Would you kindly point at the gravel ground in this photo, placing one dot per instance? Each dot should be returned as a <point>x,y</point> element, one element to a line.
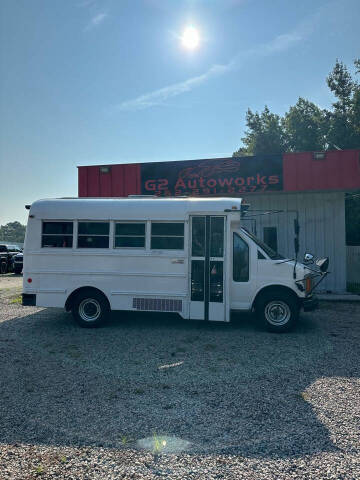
<point>157,397</point>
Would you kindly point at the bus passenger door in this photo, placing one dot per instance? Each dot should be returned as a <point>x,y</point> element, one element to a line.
<point>207,273</point>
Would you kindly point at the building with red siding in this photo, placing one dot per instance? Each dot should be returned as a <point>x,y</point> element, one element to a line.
<point>310,185</point>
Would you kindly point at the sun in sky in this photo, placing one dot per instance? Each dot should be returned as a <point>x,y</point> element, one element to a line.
<point>190,38</point>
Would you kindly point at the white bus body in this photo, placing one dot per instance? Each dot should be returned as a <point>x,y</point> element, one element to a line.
<point>183,255</point>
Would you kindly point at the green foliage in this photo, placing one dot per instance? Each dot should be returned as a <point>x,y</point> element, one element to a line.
<point>344,119</point>
<point>39,470</point>
<point>17,300</point>
<point>264,135</point>
<point>306,127</point>
<point>12,232</point>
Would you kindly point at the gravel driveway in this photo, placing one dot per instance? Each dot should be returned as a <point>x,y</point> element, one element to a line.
<point>157,397</point>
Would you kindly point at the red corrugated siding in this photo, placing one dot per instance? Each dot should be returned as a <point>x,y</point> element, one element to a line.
<point>132,184</point>
<point>339,170</point>
<point>120,181</point>
<point>82,181</point>
<point>93,185</point>
<point>105,184</point>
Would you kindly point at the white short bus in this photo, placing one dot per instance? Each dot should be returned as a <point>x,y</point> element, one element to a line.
<point>185,255</point>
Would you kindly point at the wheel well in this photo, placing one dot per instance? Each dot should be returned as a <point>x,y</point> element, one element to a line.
<point>70,300</point>
<point>274,289</point>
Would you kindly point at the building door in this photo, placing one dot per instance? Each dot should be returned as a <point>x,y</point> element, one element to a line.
<point>207,268</point>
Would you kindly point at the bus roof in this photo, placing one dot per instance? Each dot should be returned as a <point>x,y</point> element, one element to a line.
<point>130,208</point>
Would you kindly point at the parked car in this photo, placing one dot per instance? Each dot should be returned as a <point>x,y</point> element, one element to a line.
<point>7,252</point>
<point>18,263</point>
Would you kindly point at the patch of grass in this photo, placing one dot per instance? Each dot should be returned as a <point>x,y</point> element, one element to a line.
<point>191,339</point>
<point>17,300</point>
<point>74,354</point>
<point>304,396</point>
<point>159,444</point>
<point>139,391</point>
<point>181,350</point>
<point>39,470</point>
<point>209,347</point>
<point>113,396</point>
<point>63,459</point>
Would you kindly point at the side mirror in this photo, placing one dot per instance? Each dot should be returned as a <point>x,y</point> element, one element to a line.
<point>323,264</point>
<point>308,258</point>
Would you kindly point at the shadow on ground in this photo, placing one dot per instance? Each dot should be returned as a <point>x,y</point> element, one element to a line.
<point>225,388</point>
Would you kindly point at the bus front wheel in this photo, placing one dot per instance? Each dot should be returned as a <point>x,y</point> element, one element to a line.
<point>90,309</point>
<point>278,311</point>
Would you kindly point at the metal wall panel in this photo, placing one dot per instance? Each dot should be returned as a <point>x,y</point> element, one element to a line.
<point>322,228</point>
<point>118,181</point>
<point>338,170</point>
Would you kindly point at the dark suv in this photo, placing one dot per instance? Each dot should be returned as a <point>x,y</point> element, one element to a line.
<point>18,263</point>
<point>7,253</point>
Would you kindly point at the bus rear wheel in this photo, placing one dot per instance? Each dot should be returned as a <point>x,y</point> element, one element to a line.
<point>278,311</point>
<point>90,309</point>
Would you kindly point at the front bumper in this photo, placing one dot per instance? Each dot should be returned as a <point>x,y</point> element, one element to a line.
<point>29,299</point>
<point>310,304</point>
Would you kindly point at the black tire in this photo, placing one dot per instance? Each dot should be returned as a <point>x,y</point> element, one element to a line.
<point>3,267</point>
<point>90,309</point>
<point>278,311</point>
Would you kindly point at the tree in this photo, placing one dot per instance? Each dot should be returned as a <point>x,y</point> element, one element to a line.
<point>344,119</point>
<point>12,232</point>
<point>304,127</point>
<point>264,134</point>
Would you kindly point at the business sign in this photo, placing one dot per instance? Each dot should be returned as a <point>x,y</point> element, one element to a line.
<point>232,176</point>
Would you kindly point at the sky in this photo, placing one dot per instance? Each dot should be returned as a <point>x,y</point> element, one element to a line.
<point>86,82</point>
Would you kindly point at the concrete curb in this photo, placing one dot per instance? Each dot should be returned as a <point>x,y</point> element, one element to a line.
<point>333,297</point>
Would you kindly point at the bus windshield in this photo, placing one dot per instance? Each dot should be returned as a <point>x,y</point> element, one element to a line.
<point>269,251</point>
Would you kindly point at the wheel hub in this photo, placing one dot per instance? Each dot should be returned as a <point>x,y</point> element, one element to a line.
<point>277,312</point>
<point>89,310</point>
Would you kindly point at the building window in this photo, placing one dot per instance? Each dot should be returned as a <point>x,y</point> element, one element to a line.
<point>130,235</point>
<point>93,234</point>
<point>270,237</point>
<point>240,259</point>
<point>57,234</point>
<point>167,236</point>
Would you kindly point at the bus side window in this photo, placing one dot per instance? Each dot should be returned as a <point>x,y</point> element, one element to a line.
<point>240,259</point>
<point>57,235</point>
<point>167,236</point>
<point>93,235</point>
<point>129,235</point>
